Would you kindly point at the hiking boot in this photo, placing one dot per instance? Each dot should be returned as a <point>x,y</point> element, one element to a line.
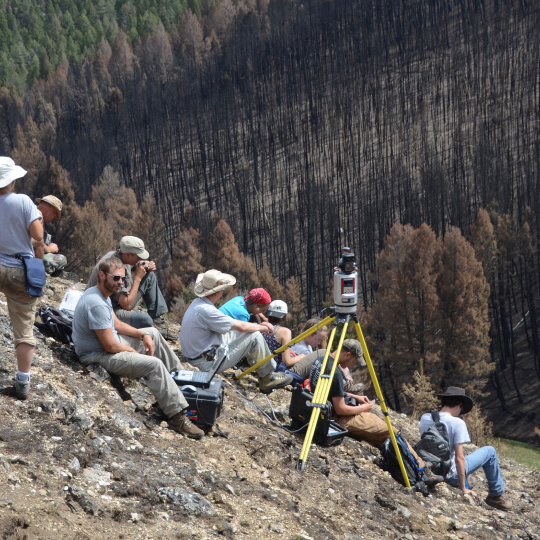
<point>159,321</point>
<point>21,389</point>
<point>353,388</point>
<point>500,502</point>
<point>273,381</point>
<point>182,424</point>
<point>432,478</point>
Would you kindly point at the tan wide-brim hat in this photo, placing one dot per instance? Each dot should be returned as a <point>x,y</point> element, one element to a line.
<point>55,202</point>
<point>212,281</point>
<point>9,171</point>
<point>456,391</point>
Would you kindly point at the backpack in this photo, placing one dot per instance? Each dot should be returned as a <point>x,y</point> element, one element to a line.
<point>417,476</point>
<point>55,323</point>
<point>434,446</point>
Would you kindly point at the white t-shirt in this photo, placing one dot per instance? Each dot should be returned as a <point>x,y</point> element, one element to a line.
<point>457,434</point>
<point>302,348</point>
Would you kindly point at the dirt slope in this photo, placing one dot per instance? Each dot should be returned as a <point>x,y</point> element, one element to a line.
<point>88,457</point>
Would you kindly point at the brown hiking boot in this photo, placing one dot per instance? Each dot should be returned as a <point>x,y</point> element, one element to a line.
<point>500,502</point>
<point>22,389</point>
<point>273,381</point>
<point>182,424</point>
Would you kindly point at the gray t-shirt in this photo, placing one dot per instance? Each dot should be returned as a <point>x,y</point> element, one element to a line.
<point>93,312</point>
<point>203,327</point>
<point>128,282</point>
<point>17,212</point>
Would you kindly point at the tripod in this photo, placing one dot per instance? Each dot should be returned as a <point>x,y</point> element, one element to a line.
<point>344,311</point>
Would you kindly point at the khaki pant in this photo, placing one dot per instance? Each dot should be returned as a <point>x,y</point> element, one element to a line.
<point>155,370</point>
<point>21,307</point>
<point>370,428</point>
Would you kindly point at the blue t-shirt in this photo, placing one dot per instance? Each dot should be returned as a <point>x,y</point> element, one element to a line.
<point>236,308</point>
<point>17,212</point>
<point>93,312</point>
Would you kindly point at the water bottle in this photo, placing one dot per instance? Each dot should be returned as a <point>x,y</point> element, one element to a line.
<point>71,297</point>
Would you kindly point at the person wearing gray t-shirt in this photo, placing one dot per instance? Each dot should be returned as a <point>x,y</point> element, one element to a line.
<point>20,223</point>
<point>99,337</point>
<point>204,327</point>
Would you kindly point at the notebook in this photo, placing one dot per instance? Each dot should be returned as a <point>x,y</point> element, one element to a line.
<point>202,379</point>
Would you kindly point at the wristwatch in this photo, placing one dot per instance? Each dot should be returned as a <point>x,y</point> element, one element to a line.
<point>145,334</point>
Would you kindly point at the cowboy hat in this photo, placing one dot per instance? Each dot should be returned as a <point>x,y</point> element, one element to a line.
<point>457,392</point>
<point>55,202</point>
<point>9,171</point>
<point>212,281</point>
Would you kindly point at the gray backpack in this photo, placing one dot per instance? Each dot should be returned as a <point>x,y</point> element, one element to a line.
<point>434,446</point>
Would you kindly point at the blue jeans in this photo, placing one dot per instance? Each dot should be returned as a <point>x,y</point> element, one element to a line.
<point>485,457</point>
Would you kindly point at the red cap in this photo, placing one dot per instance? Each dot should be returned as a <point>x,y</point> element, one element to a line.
<point>259,296</point>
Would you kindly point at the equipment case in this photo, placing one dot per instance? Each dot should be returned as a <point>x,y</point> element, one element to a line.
<point>205,404</point>
<point>328,432</point>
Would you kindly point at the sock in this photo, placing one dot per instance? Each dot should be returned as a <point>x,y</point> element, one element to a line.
<point>23,377</point>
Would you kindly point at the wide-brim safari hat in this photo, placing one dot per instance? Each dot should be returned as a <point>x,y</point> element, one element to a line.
<point>212,281</point>
<point>9,171</point>
<point>457,392</point>
<point>55,202</point>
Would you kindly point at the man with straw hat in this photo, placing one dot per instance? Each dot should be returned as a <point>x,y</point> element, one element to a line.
<point>455,403</point>
<point>204,328</point>
<point>22,235</point>
<point>51,209</point>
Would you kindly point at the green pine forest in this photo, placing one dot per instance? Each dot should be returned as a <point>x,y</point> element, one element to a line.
<point>261,136</point>
<point>37,36</point>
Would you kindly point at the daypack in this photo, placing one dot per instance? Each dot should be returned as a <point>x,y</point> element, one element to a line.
<point>434,446</point>
<point>55,323</point>
<point>415,473</point>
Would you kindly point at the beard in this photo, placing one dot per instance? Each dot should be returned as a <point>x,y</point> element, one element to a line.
<point>113,287</point>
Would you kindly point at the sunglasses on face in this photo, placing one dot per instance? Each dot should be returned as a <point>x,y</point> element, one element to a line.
<point>116,277</point>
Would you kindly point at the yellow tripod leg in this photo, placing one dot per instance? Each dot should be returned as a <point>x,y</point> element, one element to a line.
<point>381,403</point>
<point>297,339</point>
<point>321,395</point>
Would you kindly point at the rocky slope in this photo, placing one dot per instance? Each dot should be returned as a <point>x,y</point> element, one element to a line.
<point>90,457</point>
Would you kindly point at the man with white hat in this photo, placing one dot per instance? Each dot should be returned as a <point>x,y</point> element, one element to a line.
<point>22,235</point>
<point>204,328</point>
<point>141,283</point>
<point>51,209</point>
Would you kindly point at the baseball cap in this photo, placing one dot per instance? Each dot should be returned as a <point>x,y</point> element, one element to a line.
<point>278,309</point>
<point>134,245</point>
<point>353,346</point>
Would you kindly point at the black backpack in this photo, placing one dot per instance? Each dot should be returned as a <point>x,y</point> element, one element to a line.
<point>55,323</point>
<point>415,473</point>
<point>434,446</point>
